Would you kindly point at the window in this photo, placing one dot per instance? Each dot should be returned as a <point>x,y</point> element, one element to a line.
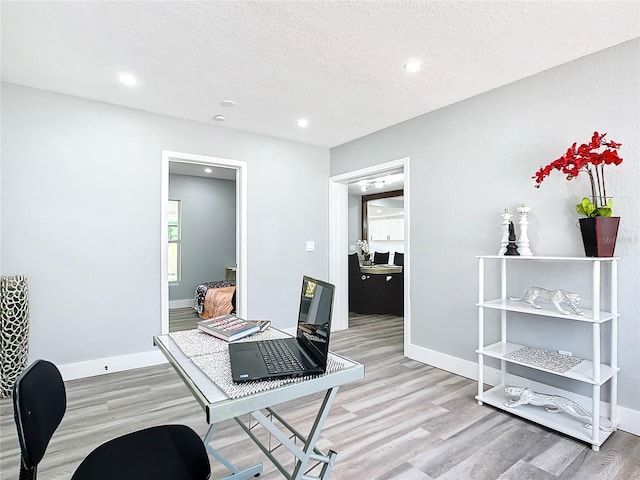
<point>174,241</point>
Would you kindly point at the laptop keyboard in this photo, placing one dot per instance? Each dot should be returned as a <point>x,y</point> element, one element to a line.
<point>278,357</point>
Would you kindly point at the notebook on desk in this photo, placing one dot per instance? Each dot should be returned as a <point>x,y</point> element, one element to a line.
<point>306,353</point>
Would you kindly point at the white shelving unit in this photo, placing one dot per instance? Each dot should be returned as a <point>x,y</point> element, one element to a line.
<point>595,371</point>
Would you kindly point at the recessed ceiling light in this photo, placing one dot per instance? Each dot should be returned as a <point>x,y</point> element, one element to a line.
<point>303,122</point>
<point>127,79</point>
<point>228,103</point>
<point>219,118</point>
<point>208,170</point>
<point>413,66</point>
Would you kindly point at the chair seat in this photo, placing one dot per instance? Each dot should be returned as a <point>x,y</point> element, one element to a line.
<point>167,452</point>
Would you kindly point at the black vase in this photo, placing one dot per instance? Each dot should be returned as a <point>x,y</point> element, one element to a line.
<point>599,235</point>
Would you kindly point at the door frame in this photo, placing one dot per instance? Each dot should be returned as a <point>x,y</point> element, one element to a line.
<point>241,226</point>
<point>339,240</point>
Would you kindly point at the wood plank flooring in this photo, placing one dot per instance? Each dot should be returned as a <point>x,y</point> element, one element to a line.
<point>404,421</point>
<point>182,319</point>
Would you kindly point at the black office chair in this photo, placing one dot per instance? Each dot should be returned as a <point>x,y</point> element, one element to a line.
<point>381,258</point>
<point>398,259</point>
<point>167,452</point>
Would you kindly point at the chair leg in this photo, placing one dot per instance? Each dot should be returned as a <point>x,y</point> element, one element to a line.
<point>27,474</point>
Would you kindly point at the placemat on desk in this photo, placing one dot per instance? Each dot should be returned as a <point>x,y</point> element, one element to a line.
<point>218,368</point>
<point>211,355</point>
<point>194,343</point>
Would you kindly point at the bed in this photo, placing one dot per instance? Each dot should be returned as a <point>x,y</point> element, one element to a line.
<point>215,298</point>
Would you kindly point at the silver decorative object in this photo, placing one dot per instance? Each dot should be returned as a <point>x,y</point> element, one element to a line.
<point>14,331</point>
<point>556,297</point>
<point>523,241</point>
<point>554,361</point>
<point>553,403</point>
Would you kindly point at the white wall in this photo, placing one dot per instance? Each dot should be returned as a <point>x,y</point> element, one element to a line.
<point>81,184</point>
<point>355,221</point>
<point>471,160</point>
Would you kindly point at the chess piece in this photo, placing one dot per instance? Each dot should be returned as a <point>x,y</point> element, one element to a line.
<point>512,248</point>
<point>506,217</point>
<point>523,242</point>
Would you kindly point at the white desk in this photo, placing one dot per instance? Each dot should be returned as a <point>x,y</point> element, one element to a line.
<point>218,407</point>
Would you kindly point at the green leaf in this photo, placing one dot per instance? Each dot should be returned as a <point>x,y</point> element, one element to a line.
<point>586,207</point>
<point>604,212</point>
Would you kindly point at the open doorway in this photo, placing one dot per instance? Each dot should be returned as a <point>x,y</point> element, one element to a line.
<point>339,237</point>
<point>225,168</point>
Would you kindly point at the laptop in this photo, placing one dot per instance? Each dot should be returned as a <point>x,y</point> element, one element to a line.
<point>308,350</point>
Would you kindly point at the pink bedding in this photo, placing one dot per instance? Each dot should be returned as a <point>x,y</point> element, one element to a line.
<point>217,302</point>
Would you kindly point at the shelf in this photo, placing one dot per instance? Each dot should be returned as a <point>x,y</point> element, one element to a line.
<point>545,310</point>
<point>558,421</point>
<point>536,359</point>
<point>582,372</point>
<point>548,258</point>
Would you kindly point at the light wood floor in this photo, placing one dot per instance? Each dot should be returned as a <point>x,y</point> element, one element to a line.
<point>404,421</point>
<point>182,319</point>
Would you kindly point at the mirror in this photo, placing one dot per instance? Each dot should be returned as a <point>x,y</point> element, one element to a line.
<point>383,221</point>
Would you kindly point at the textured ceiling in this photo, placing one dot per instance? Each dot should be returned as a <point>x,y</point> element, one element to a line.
<point>339,64</point>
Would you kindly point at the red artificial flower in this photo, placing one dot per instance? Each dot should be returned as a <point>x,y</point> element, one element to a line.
<point>588,157</point>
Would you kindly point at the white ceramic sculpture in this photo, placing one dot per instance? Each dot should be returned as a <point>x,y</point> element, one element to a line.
<point>523,241</point>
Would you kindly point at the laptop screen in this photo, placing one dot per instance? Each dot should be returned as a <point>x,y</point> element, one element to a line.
<point>314,318</point>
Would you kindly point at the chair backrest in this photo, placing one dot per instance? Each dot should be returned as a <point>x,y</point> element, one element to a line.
<point>381,258</point>
<point>39,403</point>
<point>354,267</point>
<point>398,259</point>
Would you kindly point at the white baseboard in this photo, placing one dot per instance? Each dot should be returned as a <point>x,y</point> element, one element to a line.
<point>187,302</point>
<point>102,366</point>
<point>629,420</point>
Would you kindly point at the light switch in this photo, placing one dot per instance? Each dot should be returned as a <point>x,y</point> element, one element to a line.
<point>310,246</point>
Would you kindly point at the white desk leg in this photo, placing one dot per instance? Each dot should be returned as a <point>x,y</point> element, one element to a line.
<point>236,474</point>
<point>308,452</point>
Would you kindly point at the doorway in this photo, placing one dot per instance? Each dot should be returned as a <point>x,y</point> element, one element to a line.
<point>238,170</point>
<point>339,239</point>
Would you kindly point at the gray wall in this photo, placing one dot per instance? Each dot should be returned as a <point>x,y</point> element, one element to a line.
<point>208,230</point>
<point>471,160</point>
<point>81,188</point>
